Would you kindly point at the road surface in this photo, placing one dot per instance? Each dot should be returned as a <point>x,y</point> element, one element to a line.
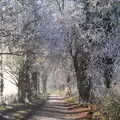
<point>54,109</point>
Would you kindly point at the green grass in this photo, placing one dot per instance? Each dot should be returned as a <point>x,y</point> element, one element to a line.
<point>18,115</point>
<point>70,100</point>
<point>2,108</point>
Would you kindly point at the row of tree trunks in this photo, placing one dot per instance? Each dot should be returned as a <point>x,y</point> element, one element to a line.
<point>28,81</point>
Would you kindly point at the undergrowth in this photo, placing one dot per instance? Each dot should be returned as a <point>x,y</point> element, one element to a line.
<point>109,108</point>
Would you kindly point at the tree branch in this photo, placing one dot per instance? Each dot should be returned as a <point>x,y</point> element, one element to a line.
<point>12,53</point>
<point>60,9</point>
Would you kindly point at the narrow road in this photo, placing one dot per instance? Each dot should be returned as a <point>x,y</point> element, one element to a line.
<point>54,109</point>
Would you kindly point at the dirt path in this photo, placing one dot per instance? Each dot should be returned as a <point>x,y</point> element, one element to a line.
<point>54,109</point>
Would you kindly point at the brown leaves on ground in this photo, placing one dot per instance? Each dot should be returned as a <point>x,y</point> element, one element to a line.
<point>83,112</point>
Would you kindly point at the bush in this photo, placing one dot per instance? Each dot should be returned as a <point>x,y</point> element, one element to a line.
<point>109,108</point>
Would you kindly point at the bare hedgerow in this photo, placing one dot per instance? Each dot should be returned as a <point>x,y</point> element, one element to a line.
<point>110,106</point>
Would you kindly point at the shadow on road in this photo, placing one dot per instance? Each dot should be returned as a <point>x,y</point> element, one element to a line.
<point>54,109</point>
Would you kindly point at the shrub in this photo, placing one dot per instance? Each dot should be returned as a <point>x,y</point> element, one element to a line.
<point>110,107</point>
